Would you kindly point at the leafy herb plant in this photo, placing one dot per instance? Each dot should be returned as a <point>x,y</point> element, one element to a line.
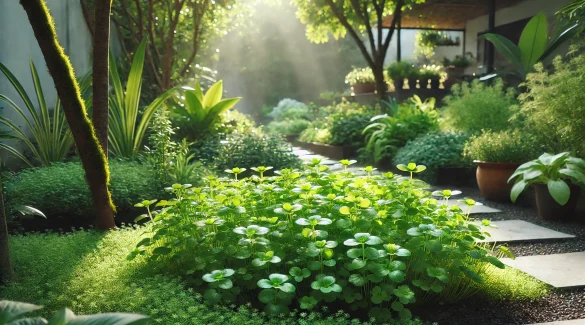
<point>308,238</point>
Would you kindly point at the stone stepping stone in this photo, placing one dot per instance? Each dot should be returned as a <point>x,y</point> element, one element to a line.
<point>520,230</point>
<point>310,157</point>
<point>301,152</point>
<point>565,322</point>
<point>559,270</point>
<point>475,210</point>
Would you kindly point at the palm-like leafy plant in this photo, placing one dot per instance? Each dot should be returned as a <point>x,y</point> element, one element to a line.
<point>196,113</point>
<point>127,124</point>
<point>50,139</point>
<point>534,45</point>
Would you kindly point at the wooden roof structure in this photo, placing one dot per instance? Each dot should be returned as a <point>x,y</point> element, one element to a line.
<point>446,14</point>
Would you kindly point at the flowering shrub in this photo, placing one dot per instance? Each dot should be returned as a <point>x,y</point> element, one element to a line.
<point>302,239</point>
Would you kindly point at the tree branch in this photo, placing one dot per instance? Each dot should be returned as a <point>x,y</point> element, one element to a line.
<point>88,17</point>
<point>140,19</point>
<point>363,15</point>
<point>351,31</point>
<point>397,16</point>
<point>197,21</point>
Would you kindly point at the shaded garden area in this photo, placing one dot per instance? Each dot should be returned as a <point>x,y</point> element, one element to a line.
<point>390,180</point>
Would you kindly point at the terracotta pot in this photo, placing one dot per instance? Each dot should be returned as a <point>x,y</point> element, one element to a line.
<point>549,209</point>
<point>455,73</point>
<point>492,179</point>
<point>363,88</point>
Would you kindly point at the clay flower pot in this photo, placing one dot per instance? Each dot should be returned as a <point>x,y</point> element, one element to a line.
<point>492,179</point>
<point>549,209</point>
<point>363,88</point>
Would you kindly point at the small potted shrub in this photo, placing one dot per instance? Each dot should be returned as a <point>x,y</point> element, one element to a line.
<point>556,180</point>
<point>497,155</point>
<point>398,71</point>
<point>456,67</point>
<point>412,76</point>
<point>362,81</point>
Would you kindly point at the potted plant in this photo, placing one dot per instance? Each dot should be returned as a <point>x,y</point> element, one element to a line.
<point>497,155</point>
<point>362,81</point>
<point>556,180</point>
<point>398,71</point>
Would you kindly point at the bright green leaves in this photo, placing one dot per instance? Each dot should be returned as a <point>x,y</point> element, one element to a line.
<point>145,203</point>
<point>299,274</point>
<point>308,302</point>
<point>559,190</point>
<point>251,230</point>
<point>379,295</point>
<point>363,239</point>
<point>313,221</point>
<point>404,294</point>
<point>346,162</point>
<point>411,168</point>
<point>265,257</point>
<point>220,278</point>
<point>344,210</point>
<point>396,250</point>
<point>277,281</point>
<point>261,169</point>
<point>446,194</point>
<point>325,284</point>
<point>438,273</point>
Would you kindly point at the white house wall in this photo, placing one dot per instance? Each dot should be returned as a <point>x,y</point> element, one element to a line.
<point>522,10</point>
<point>18,45</point>
<point>408,40</point>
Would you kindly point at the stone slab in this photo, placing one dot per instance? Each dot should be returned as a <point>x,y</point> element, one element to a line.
<point>302,152</point>
<point>520,230</point>
<point>310,157</point>
<point>559,270</point>
<point>565,322</point>
<point>475,210</point>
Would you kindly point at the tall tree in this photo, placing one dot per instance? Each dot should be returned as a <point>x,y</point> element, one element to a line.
<point>356,17</point>
<point>92,156</point>
<point>101,54</point>
<point>177,31</point>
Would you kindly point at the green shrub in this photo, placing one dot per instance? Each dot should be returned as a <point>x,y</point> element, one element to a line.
<point>553,105</point>
<point>505,146</point>
<point>251,150</point>
<point>288,126</point>
<point>88,271</point>
<point>281,111</point>
<point>61,192</point>
<point>388,133</point>
<point>434,150</point>
<point>309,239</point>
<point>399,70</point>
<point>346,128</point>
<point>474,107</point>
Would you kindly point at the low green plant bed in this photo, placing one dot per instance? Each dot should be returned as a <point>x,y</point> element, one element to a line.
<point>88,271</point>
<point>307,239</point>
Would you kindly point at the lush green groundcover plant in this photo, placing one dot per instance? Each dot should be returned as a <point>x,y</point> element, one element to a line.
<point>435,150</point>
<point>88,271</point>
<point>304,239</point>
<point>61,193</point>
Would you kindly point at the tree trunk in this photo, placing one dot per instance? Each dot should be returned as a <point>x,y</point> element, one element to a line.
<point>101,46</point>
<point>6,272</point>
<point>381,85</point>
<point>92,156</point>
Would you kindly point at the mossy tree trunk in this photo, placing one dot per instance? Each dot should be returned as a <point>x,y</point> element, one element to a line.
<point>91,153</point>
<point>6,272</point>
<point>101,47</point>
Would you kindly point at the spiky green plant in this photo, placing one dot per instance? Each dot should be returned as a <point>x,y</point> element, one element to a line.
<point>50,139</point>
<point>128,124</point>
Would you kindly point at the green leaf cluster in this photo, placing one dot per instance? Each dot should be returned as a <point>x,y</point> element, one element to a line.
<point>311,237</point>
<point>513,146</point>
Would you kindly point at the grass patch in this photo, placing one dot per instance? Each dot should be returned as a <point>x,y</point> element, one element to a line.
<point>512,284</point>
<point>88,272</point>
